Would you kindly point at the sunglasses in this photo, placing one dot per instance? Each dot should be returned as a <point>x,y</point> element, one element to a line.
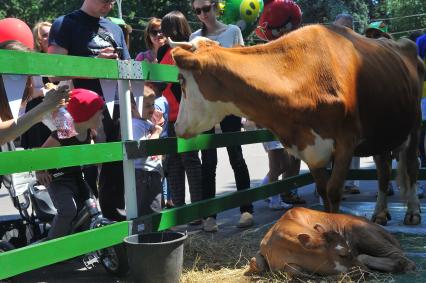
<point>156,32</point>
<point>204,9</point>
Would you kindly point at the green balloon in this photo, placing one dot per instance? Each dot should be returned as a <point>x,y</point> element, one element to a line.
<point>243,13</point>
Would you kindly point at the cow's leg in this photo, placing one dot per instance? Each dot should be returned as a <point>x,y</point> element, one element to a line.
<point>321,177</point>
<point>384,169</point>
<point>408,167</point>
<point>342,160</point>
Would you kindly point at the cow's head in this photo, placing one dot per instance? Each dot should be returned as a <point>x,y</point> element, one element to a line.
<point>333,254</point>
<point>204,99</point>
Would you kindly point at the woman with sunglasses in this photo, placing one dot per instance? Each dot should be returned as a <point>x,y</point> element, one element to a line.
<point>154,39</point>
<point>175,26</point>
<point>227,36</point>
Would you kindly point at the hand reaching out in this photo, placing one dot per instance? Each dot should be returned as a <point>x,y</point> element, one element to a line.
<point>44,178</point>
<point>55,98</point>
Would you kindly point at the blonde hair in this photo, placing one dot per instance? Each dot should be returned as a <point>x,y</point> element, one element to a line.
<point>36,34</point>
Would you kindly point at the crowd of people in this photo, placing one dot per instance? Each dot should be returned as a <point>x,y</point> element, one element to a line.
<point>160,180</point>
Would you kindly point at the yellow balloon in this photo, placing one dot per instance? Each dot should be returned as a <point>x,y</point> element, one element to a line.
<point>249,10</point>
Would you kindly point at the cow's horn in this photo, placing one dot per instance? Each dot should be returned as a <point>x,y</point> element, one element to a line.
<point>184,45</point>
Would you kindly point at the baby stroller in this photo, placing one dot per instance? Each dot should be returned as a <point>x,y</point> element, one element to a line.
<point>36,212</point>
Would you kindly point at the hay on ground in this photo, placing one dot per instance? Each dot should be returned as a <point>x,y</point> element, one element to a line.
<point>218,258</point>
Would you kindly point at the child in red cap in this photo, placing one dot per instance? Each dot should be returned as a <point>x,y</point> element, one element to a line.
<point>66,186</point>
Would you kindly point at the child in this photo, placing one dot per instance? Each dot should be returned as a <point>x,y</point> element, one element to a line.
<point>148,170</point>
<point>66,186</point>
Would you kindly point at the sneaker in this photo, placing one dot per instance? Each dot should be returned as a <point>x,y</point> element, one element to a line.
<point>246,220</point>
<point>209,225</point>
<point>279,205</point>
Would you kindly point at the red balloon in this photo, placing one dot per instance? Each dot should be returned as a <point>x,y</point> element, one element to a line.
<point>15,29</point>
<point>278,18</point>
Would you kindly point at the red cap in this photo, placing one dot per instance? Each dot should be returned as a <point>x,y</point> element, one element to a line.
<point>84,104</point>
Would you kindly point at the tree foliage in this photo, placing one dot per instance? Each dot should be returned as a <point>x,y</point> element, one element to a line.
<point>406,16</point>
<point>137,12</point>
<point>324,11</point>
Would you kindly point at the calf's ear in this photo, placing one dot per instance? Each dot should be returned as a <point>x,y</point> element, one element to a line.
<point>185,59</point>
<point>307,241</point>
<point>318,227</point>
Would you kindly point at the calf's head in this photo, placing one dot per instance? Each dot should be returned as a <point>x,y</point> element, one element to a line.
<point>330,255</point>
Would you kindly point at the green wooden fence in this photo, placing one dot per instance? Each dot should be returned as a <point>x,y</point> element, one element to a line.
<point>46,253</point>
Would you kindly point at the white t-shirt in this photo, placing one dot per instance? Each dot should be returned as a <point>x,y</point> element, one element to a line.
<point>230,37</point>
<point>142,130</point>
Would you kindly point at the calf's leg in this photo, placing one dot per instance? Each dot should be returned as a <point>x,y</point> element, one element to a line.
<point>387,264</point>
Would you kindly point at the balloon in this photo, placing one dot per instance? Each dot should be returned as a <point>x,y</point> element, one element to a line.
<point>15,29</point>
<point>243,13</point>
<point>278,18</point>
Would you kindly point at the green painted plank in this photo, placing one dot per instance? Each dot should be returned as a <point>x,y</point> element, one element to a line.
<point>137,149</point>
<point>177,216</point>
<point>37,159</point>
<point>46,253</point>
<point>55,157</point>
<point>159,72</point>
<point>224,139</point>
<point>371,174</point>
<point>15,62</point>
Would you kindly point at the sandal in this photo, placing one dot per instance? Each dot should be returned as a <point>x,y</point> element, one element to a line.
<point>293,199</point>
<point>353,190</point>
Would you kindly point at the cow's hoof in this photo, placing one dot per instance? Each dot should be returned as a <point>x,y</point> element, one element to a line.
<point>412,218</point>
<point>381,218</point>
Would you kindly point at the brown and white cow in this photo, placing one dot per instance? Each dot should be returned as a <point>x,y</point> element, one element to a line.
<point>314,242</point>
<point>325,92</point>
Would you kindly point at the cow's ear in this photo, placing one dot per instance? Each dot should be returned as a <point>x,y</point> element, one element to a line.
<point>318,227</point>
<point>306,241</point>
<point>185,59</point>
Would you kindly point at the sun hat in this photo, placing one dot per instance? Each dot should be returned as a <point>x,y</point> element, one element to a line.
<point>379,25</point>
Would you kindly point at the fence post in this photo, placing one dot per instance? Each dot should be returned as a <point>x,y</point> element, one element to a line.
<point>127,134</point>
